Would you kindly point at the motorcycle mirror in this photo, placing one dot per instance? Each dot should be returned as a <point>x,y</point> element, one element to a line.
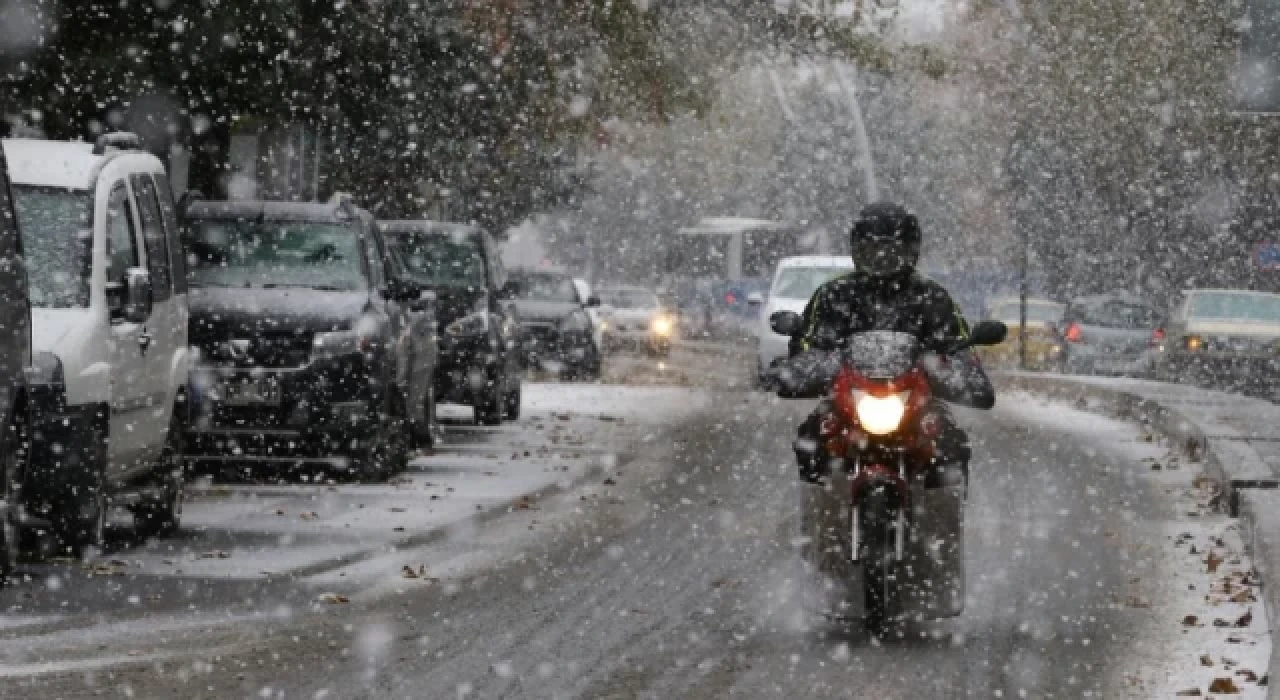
<point>988,333</point>
<point>786,322</point>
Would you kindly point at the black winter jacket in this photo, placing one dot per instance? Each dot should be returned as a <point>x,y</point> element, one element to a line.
<point>856,303</point>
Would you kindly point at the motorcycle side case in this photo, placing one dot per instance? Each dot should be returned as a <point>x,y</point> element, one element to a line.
<point>932,571</point>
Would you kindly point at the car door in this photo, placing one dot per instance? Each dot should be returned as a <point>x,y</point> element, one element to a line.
<point>507,323</point>
<point>168,322</point>
<point>130,342</point>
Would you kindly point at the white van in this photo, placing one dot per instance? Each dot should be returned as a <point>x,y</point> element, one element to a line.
<point>109,299</point>
<point>794,282</point>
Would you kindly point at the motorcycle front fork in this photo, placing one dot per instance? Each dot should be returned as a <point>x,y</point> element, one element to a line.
<point>900,526</point>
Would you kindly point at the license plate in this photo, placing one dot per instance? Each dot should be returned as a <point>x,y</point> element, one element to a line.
<point>251,392</point>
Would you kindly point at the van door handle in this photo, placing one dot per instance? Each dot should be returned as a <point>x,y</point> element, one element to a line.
<point>144,340</point>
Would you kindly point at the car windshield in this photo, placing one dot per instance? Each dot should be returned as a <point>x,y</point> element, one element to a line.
<point>1115,314</point>
<point>57,238</point>
<point>802,282</point>
<point>1037,312</point>
<point>629,298</point>
<point>241,253</point>
<point>440,259</point>
<point>534,287</point>
<point>1250,308</point>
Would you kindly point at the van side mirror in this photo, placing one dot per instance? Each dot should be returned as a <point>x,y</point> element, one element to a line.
<point>593,302</point>
<point>510,290</point>
<point>988,333</point>
<point>786,323</point>
<point>131,300</point>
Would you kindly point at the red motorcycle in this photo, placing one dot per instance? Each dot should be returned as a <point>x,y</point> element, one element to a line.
<point>882,520</point>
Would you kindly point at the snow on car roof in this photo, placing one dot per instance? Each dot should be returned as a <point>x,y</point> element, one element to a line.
<point>817,261</point>
<point>67,164</point>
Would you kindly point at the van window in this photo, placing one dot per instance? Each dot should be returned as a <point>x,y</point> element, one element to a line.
<point>169,212</point>
<point>121,235</point>
<point>153,234</point>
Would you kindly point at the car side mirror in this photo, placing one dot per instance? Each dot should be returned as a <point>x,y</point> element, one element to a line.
<point>133,298</point>
<point>510,290</point>
<point>755,299</point>
<point>786,322</point>
<point>988,333</point>
<point>402,290</point>
<point>593,302</point>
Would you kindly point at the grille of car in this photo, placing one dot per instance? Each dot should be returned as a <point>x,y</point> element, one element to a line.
<point>223,347</point>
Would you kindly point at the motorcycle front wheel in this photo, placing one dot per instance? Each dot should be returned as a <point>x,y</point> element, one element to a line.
<point>877,525</point>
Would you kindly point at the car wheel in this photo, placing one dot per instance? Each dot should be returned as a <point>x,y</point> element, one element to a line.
<point>17,449</point>
<point>389,453</point>
<point>488,405</point>
<point>163,515</point>
<point>511,404</point>
<point>424,434</point>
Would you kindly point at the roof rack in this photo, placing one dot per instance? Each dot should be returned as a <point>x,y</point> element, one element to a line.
<point>118,140</point>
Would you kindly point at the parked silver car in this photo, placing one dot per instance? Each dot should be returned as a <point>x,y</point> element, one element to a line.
<point>1225,338</point>
<point>1108,334</point>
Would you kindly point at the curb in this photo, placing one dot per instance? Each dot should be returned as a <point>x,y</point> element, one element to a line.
<point>1183,433</point>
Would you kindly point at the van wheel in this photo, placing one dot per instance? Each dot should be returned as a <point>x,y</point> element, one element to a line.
<point>17,450</point>
<point>163,515</point>
<point>80,518</point>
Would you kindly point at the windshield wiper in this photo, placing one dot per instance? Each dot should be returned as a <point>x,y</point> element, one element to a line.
<point>291,285</point>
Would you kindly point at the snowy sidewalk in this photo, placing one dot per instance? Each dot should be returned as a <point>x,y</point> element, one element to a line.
<point>1236,438</point>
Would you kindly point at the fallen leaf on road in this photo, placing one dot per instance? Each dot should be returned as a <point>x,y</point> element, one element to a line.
<point>610,482</point>
<point>1134,601</point>
<point>279,511</point>
<point>308,516</point>
<point>397,510</point>
<point>215,554</point>
<point>1206,660</point>
<point>1225,686</point>
<point>1248,675</point>
<point>1190,621</point>
<point>397,529</point>
<point>1245,596</point>
<point>1189,693</point>
<point>1245,619</point>
<point>332,598</point>
<point>408,571</point>
<point>1213,562</point>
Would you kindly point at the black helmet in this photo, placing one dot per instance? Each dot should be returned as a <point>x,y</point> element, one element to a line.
<point>885,240</point>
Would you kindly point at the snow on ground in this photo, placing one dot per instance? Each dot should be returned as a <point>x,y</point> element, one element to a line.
<point>1205,630</point>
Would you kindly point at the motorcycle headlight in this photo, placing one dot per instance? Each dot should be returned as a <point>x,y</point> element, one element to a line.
<point>880,415</point>
<point>661,325</point>
<point>576,322</point>
<point>469,325</point>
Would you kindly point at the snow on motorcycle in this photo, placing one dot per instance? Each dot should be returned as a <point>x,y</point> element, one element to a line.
<point>882,517</point>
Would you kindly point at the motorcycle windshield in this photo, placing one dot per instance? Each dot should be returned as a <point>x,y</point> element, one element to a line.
<point>882,354</point>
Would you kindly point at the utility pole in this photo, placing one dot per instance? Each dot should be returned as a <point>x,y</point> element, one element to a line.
<point>1025,260</point>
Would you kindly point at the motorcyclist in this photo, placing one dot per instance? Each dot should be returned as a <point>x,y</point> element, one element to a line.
<point>885,293</point>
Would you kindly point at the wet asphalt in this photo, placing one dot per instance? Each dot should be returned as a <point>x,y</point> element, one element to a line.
<point>678,578</point>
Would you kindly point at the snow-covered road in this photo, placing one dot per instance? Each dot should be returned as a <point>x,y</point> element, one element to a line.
<point>673,576</point>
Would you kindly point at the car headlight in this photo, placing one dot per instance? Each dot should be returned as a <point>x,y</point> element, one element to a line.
<point>339,343</point>
<point>469,325</point>
<point>576,322</point>
<point>661,326</point>
<point>880,415</point>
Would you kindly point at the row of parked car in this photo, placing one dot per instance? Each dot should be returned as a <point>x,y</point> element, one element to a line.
<point>141,336</point>
<point>1228,338</point>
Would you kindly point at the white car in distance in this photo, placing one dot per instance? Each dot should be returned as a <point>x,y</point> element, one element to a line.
<point>794,282</point>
